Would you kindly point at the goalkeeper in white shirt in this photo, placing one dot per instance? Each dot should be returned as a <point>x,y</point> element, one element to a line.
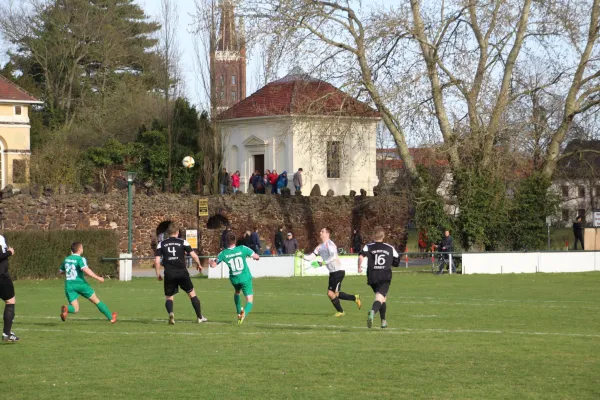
<point>328,252</point>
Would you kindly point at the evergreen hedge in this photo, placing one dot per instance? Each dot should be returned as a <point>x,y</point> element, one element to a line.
<point>38,254</point>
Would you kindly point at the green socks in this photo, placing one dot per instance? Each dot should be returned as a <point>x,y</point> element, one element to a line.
<point>103,308</point>
<point>71,309</point>
<point>238,304</point>
<point>248,308</point>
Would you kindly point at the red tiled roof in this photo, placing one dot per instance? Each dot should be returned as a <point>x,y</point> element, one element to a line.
<point>11,92</point>
<point>421,156</point>
<point>298,94</point>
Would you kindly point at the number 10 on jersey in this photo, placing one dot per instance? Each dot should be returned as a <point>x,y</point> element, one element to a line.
<point>236,264</point>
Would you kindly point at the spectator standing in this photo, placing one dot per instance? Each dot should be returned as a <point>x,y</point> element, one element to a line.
<point>255,241</point>
<point>248,239</point>
<point>357,241</point>
<point>422,242</point>
<point>265,183</point>
<point>268,186</point>
<point>257,182</point>
<point>279,240</point>
<point>251,183</point>
<point>298,183</point>
<point>224,181</point>
<point>578,232</point>
<point>446,246</point>
<point>290,245</point>
<point>223,242</point>
<point>273,179</point>
<point>235,181</point>
<point>282,182</point>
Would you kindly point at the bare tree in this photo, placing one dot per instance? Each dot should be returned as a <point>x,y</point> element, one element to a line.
<point>337,35</point>
<point>168,48</point>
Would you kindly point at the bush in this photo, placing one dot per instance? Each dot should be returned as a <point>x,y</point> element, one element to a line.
<point>38,255</point>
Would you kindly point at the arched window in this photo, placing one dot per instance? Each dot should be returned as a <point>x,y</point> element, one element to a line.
<point>234,159</point>
<point>282,158</point>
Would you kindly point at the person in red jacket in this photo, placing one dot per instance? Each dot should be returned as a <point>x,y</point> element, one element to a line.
<point>235,181</point>
<point>273,179</point>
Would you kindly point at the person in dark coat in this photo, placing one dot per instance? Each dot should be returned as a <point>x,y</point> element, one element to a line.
<point>290,245</point>
<point>279,240</point>
<point>446,246</point>
<point>578,232</point>
<point>357,241</point>
<point>255,241</point>
<point>223,243</point>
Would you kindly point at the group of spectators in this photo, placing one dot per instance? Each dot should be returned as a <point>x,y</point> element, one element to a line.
<point>283,244</point>
<point>259,183</point>
<point>287,245</point>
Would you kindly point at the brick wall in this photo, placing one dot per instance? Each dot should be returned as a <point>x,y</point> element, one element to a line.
<point>302,215</point>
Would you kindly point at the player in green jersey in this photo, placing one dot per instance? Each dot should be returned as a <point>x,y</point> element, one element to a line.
<point>74,267</point>
<point>239,273</point>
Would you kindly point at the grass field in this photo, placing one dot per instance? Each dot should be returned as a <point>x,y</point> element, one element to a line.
<point>450,337</point>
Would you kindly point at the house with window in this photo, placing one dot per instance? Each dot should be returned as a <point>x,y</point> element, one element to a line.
<point>302,122</point>
<point>577,181</point>
<point>15,104</point>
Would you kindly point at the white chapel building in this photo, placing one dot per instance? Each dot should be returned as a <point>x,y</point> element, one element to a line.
<point>302,122</point>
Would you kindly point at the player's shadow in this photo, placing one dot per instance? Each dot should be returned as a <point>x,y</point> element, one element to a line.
<point>289,313</point>
<point>302,328</point>
<point>44,323</point>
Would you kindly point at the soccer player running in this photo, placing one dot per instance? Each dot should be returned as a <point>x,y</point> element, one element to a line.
<point>7,292</point>
<point>328,252</point>
<point>239,273</point>
<point>173,251</point>
<point>75,267</point>
<point>381,257</point>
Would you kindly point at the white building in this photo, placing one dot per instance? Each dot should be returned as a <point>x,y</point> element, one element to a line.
<point>302,122</point>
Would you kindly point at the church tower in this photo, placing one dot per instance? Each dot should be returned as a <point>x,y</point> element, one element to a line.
<point>227,60</point>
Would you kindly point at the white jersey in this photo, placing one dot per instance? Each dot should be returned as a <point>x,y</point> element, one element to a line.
<point>329,254</point>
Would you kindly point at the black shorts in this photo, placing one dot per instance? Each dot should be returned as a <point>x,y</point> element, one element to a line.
<point>175,280</point>
<point>381,287</point>
<point>335,280</point>
<point>7,290</point>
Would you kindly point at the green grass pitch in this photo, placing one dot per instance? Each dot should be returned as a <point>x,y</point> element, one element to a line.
<point>450,337</point>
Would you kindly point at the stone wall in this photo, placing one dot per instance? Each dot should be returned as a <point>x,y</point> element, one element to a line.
<point>302,215</point>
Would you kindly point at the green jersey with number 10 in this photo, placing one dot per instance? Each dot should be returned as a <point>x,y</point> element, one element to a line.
<point>235,258</point>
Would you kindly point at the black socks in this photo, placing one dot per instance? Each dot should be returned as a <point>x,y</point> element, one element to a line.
<point>382,310</point>
<point>376,307</point>
<point>169,306</point>
<point>346,296</point>
<point>337,305</point>
<point>196,304</point>
<point>9,315</point>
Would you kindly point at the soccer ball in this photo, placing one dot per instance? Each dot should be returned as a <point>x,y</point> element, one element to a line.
<point>188,162</point>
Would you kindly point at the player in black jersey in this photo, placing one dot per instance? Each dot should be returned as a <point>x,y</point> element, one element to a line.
<point>7,292</point>
<point>381,257</point>
<point>173,251</point>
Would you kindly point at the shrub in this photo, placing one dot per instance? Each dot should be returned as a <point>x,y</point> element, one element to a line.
<point>38,254</point>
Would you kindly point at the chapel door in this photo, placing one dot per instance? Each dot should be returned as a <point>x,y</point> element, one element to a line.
<point>259,163</point>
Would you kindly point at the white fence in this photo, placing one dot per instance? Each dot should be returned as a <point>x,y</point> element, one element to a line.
<point>509,263</point>
<point>286,266</point>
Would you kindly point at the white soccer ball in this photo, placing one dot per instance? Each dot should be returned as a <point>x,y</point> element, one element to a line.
<point>188,162</point>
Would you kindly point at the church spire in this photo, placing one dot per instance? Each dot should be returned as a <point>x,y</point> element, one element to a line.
<point>228,59</point>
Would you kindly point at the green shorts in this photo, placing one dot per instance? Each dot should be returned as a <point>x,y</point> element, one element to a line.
<point>74,289</point>
<point>245,287</point>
